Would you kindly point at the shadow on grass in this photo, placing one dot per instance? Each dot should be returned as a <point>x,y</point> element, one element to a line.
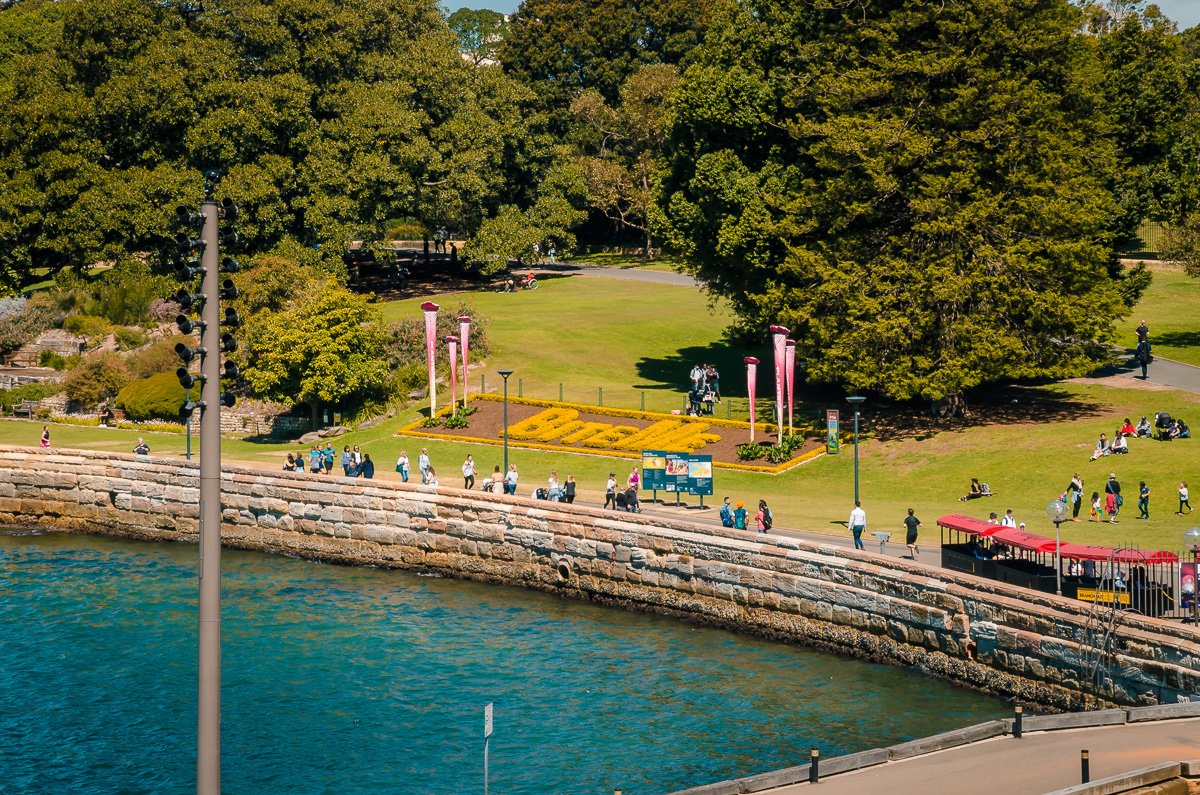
<point>1177,339</point>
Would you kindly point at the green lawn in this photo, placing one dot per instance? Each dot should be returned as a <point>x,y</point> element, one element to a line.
<point>625,337</point>
<point>1171,308</point>
<point>1027,465</point>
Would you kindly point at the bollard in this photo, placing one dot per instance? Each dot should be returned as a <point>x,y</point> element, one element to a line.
<point>601,403</point>
<point>1084,768</point>
<point>813,776</point>
<point>481,389</point>
<point>643,400</point>
<point>1018,710</point>
<point>560,391</point>
<point>729,410</point>
<point>520,388</point>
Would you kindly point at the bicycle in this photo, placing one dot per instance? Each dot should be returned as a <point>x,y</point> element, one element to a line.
<point>529,282</point>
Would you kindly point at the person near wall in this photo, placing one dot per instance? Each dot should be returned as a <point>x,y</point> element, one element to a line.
<point>858,522</point>
<point>911,525</point>
<point>367,469</point>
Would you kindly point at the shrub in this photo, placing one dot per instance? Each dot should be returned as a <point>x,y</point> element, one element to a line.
<point>97,378</point>
<point>36,316</point>
<point>42,414</point>
<point>404,229</point>
<point>159,357</point>
<point>163,310</point>
<point>456,420</point>
<point>55,360</point>
<point>90,326</point>
<point>123,295</point>
<point>156,397</point>
<point>129,338</point>
<point>750,452</point>
<point>35,391</point>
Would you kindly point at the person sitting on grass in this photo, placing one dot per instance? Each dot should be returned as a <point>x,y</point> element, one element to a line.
<point>1127,429</point>
<point>1119,446</point>
<point>975,492</point>
<point>1102,448</point>
<point>1144,430</point>
<point>1184,432</point>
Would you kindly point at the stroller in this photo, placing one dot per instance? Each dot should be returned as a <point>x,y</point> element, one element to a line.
<point>1162,421</point>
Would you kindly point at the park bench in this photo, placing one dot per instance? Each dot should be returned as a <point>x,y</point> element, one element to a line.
<point>27,407</point>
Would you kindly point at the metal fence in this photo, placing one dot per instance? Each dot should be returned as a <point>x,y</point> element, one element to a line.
<point>1148,243</point>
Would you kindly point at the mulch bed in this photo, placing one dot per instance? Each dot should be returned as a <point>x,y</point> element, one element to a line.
<point>488,423</point>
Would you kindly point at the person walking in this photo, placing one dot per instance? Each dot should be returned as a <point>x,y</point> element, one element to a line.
<point>1183,498</point>
<point>568,494</point>
<point>739,517</point>
<point>1143,333</point>
<point>726,514</point>
<point>1141,355</point>
<point>368,467</point>
<point>347,461</point>
<point>1009,520</point>
<point>911,525</point>
<point>1112,497</point>
<point>1097,507</point>
<point>633,484</point>
<point>1143,501</point>
<point>402,466</point>
<point>45,436</point>
<point>858,523</point>
<point>510,479</point>
<point>468,470</point>
<point>610,491</point>
<point>497,486</point>
<point>423,465</point>
<point>552,491</point>
<point>762,519</point>
<point>327,456</point>
<point>1075,495</point>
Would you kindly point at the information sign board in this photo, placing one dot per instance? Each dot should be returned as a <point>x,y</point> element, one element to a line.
<point>679,473</point>
<point>654,470</point>
<point>831,439</point>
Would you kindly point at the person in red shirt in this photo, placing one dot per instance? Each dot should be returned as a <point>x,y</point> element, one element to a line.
<point>1127,429</point>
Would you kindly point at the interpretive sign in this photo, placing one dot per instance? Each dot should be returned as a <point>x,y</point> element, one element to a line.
<point>682,473</point>
<point>654,470</point>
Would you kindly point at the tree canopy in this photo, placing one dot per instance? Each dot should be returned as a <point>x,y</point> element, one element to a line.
<point>328,117</point>
<point>916,188</point>
<point>479,33</point>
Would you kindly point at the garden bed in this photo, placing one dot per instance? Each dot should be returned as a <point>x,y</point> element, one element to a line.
<point>594,430</point>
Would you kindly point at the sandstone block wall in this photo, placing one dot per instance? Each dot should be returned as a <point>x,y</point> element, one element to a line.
<point>1045,650</point>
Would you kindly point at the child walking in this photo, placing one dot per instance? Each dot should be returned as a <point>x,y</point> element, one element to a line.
<point>1097,507</point>
<point>1144,501</point>
<point>1183,498</point>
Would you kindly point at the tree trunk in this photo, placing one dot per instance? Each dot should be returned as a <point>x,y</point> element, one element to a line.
<point>649,251</point>
<point>315,405</point>
<point>953,405</point>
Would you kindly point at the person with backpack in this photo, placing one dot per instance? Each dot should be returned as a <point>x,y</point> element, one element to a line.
<point>763,518</point>
<point>1142,356</point>
<point>739,517</point>
<point>1112,498</point>
<point>726,514</point>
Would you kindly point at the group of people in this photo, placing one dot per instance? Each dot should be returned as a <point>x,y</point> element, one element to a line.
<point>705,390</point>
<point>1168,428</point>
<point>550,249</point>
<point>910,524</point>
<point>736,516</point>
<point>355,463</point>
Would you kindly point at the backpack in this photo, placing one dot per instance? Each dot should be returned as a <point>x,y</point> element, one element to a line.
<point>768,519</point>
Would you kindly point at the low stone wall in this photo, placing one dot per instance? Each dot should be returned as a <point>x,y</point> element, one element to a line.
<point>1016,643</point>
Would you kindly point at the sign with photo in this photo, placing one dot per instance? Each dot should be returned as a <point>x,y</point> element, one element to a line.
<point>654,470</point>
<point>682,473</point>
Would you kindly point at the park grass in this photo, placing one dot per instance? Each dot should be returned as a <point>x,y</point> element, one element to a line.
<point>624,337</point>
<point>1027,465</point>
<point>1171,307</point>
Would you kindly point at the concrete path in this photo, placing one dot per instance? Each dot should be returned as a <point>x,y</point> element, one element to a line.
<point>1036,764</point>
<point>630,274</point>
<point>1165,372</point>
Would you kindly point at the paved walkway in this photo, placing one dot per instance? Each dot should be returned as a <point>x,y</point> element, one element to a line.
<point>1165,372</point>
<point>631,274</point>
<point>1036,764</point>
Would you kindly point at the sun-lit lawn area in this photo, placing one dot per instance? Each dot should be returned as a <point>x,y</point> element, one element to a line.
<point>1171,308</point>
<point>626,338</point>
<point>661,262</point>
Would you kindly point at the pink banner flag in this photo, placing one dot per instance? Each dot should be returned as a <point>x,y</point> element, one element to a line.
<point>431,309</point>
<point>779,339</point>
<point>789,370</point>
<point>453,343</point>
<point>464,328</point>
<point>751,379</point>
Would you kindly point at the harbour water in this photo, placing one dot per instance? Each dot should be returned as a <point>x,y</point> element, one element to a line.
<point>355,681</point>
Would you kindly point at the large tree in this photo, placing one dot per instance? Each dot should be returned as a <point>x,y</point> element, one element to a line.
<point>329,118</point>
<point>480,32</point>
<point>915,187</point>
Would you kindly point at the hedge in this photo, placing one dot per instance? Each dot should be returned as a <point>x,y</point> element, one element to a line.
<point>156,397</point>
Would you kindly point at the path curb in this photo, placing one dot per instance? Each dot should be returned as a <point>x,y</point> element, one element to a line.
<point>1144,777</point>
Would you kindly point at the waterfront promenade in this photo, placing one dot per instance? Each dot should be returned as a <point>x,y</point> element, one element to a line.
<point>1038,763</point>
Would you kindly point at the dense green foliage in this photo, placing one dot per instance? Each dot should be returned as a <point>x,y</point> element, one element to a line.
<point>157,397</point>
<point>926,209</point>
<point>99,377</point>
<point>479,33</point>
<point>329,118</point>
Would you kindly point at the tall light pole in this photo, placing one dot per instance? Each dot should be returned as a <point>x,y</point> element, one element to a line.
<point>856,401</point>
<point>1057,513</point>
<point>1191,539</point>
<point>505,374</point>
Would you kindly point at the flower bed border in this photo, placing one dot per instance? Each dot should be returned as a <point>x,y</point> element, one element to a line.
<point>413,429</point>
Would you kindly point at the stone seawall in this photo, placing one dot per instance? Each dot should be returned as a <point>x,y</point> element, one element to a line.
<point>1037,647</point>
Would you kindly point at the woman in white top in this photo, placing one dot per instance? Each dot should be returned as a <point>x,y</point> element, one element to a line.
<point>430,477</point>
<point>497,481</point>
<point>402,465</point>
<point>510,480</point>
<point>468,470</point>
<point>553,491</point>
<point>610,490</point>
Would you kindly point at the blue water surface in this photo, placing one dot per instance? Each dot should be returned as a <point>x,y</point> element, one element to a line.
<point>355,680</point>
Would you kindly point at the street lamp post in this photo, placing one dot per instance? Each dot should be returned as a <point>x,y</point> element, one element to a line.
<point>505,374</point>
<point>856,401</point>
<point>1191,539</point>
<point>1057,512</point>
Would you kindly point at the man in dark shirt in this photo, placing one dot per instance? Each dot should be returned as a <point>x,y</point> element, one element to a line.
<point>142,448</point>
<point>1143,332</point>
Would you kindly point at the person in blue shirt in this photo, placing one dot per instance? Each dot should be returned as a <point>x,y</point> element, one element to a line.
<point>739,517</point>
<point>347,460</point>
<point>727,514</point>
